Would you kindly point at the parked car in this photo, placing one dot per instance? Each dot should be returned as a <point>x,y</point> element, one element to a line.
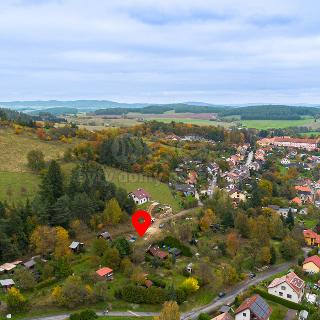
<point>221,294</point>
<point>252,275</point>
<point>161,225</point>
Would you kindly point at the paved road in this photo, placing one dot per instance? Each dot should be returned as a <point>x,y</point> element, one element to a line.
<point>230,296</point>
<point>193,314</point>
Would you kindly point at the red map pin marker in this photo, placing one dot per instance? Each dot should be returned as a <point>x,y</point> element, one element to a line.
<point>141,221</point>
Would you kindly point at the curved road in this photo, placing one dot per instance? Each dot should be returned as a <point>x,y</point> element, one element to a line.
<point>193,314</point>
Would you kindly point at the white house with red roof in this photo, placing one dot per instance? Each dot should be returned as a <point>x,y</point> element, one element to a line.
<point>311,264</point>
<point>289,287</point>
<point>140,196</point>
<point>253,308</point>
<point>223,316</point>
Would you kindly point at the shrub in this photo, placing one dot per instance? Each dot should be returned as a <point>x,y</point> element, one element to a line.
<point>84,315</point>
<point>175,243</point>
<point>134,294</point>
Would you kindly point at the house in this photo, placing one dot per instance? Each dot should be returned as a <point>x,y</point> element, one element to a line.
<point>173,137</point>
<point>297,201</point>
<point>289,287</point>
<point>30,264</point>
<point>104,235</point>
<point>105,273</point>
<point>140,196</point>
<point>288,142</point>
<point>311,264</point>
<point>155,251</point>
<point>186,189</point>
<point>6,284</point>
<point>310,237</point>
<point>254,308</point>
<point>7,267</point>
<point>192,178</point>
<point>237,195</point>
<point>76,246</point>
<point>223,316</point>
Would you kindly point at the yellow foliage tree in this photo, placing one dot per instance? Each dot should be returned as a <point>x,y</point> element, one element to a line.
<point>61,243</point>
<point>190,285</point>
<point>208,219</point>
<point>170,311</point>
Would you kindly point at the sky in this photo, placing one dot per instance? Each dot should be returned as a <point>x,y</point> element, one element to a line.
<point>216,51</point>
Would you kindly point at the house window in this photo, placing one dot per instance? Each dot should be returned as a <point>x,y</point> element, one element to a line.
<point>289,296</point>
<point>280,294</point>
<point>283,288</point>
<point>244,314</point>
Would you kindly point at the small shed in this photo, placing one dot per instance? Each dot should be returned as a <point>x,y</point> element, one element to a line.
<point>104,235</point>
<point>303,315</point>
<point>76,246</point>
<point>30,264</point>
<point>175,252</point>
<point>189,268</point>
<point>6,284</point>
<point>105,273</point>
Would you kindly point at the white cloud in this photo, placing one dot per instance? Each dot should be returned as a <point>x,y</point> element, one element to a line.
<point>156,50</point>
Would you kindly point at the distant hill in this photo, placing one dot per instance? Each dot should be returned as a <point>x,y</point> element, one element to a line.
<point>17,117</point>
<point>271,112</point>
<point>55,111</point>
<point>160,109</point>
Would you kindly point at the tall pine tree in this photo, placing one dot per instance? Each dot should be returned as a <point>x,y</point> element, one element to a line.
<point>52,183</point>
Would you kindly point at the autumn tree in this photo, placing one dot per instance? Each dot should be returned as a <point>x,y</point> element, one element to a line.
<point>36,160</point>
<point>242,224</point>
<point>233,243</point>
<point>170,311</point>
<point>289,248</point>
<point>229,274</point>
<point>61,243</point>
<point>16,302</point>
<point>42,240</point>
<point>112,213</point>
<point>190,285</point>
<point>207,220</point>
<point>264,256</point>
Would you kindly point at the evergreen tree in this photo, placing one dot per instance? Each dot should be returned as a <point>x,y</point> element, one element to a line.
<point>290,219</point>
<point>51,187</point>
<point>61,211</point>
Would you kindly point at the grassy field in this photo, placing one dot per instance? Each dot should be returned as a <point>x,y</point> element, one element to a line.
<point>17,183</point>
<point>199,122</point>
<point>15,187</point>
<point>15,148</point>
<point>276,124</point>
<point>130,181</point>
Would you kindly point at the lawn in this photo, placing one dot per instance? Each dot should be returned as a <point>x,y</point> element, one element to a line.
<point>16,186</point>
<point>278,311</point>
<point>15,148</point>
<point>159,191</point>
<point>276,124</point>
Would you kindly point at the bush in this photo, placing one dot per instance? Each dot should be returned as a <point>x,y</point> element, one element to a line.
<point>175,243</point>
<point>134,294</point>
<point>157,281</point>
<point>286,303</point>
<point>84,315</point>
<point>204,316</point>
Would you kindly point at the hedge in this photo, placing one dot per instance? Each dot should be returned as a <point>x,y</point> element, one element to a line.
<point>151,295</point>
<point>286,303</point>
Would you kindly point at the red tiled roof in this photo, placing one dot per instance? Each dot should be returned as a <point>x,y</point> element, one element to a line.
<point>104,271</point>
<point>314,259</point>
<point>312,235</point>
<point>297,200</point>
<point>302,188</point>
<point>292,280</point>
<point>156,252</point>
<point>223,316</point>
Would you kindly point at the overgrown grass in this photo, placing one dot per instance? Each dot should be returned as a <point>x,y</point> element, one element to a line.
<point>131,181</point>
<point>15,187</point>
